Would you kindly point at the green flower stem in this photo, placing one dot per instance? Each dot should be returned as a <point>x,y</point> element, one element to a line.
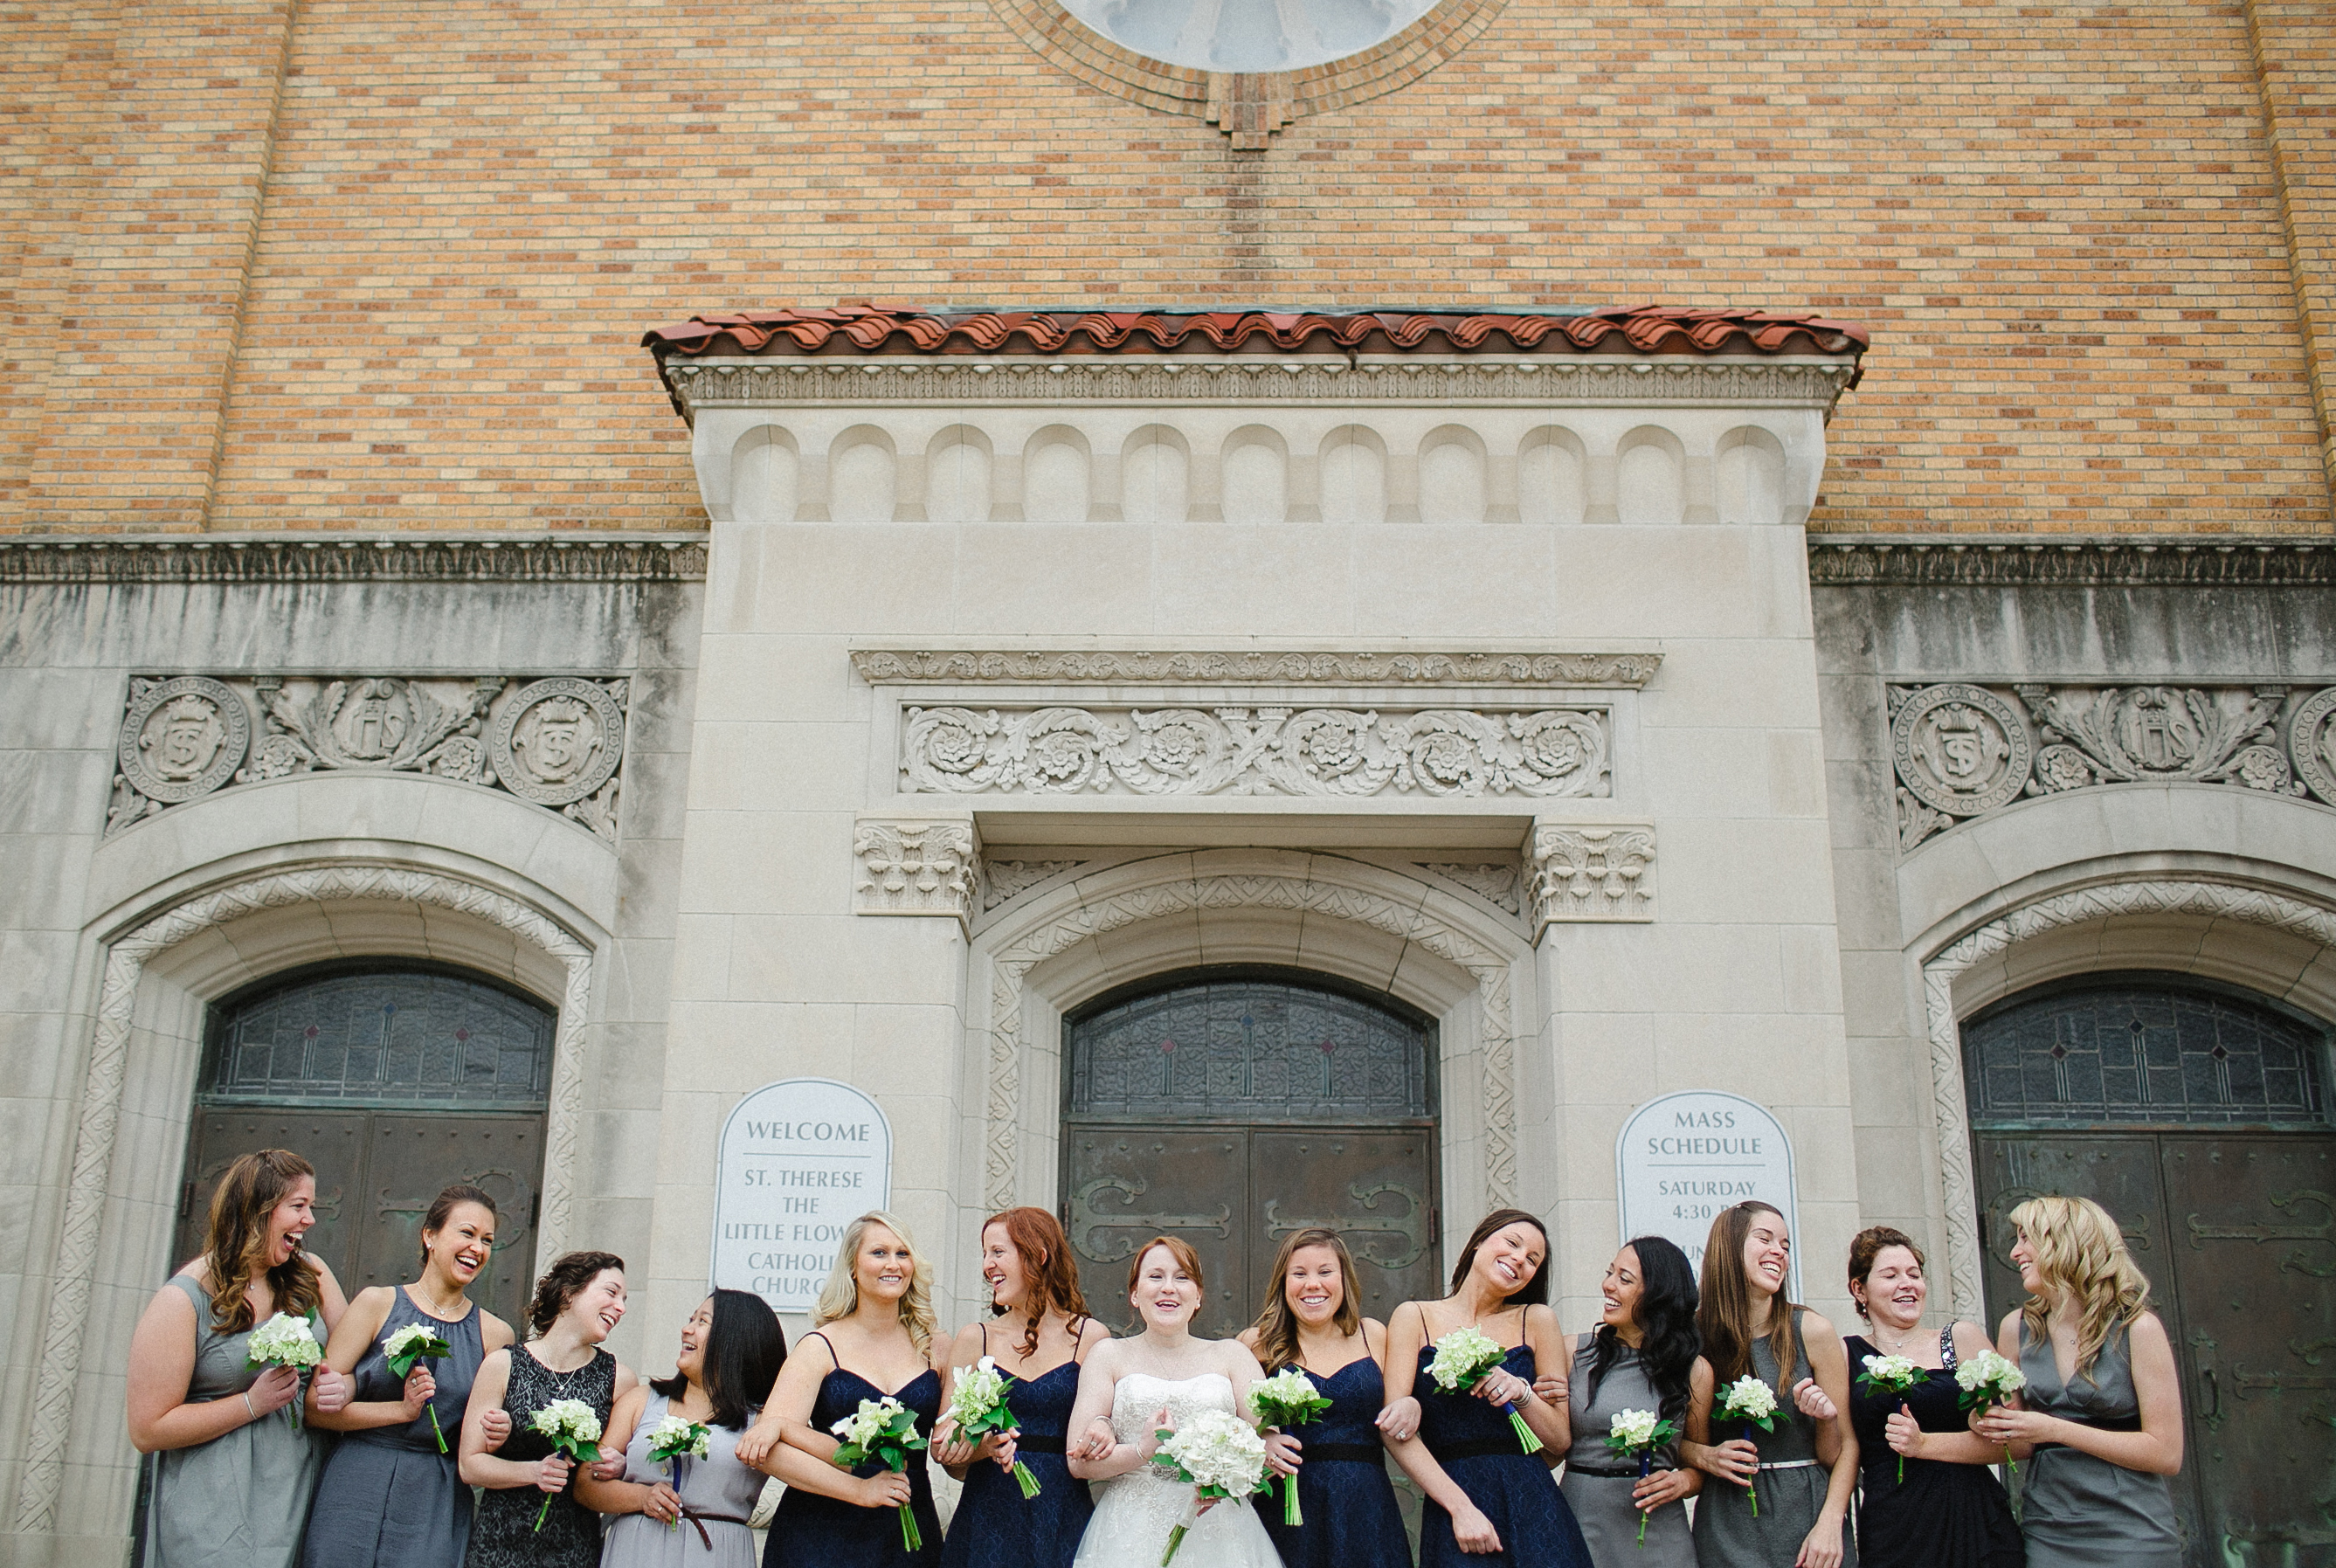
<point>1026,1480</point>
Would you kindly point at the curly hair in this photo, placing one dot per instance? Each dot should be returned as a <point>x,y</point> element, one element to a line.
<point>840,1298</point>
<point>563,1282</point>
<point>1865,1250</point>
<point>1277,1325</point>
<point>2081,1253</point>
<point>1046,1263</point>
<point>1665,1314</point>
<point>235,1246</point>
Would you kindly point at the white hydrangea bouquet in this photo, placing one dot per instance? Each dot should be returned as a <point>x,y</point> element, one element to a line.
<point>285,1341</point>
<point>884,1430</point>
<point>1462,1357</point>
<point>977,1407</point>
<point>1635,1434</point>
<point>1754,1402</point>
<point>407,1348</point>
<point>573,1428</point>
<point>1987,1380</point>
<point>1217,1453</point>
<point>1889,1378</point>
<point>1288,1398</point>
<point>673,1439</point>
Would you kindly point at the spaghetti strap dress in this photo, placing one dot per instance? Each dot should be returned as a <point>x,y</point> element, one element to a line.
<point>1351,1519</point>
<point>1473,1440</point>
<point>717,1493</point>
<point>1599,1482</point>
<point>2077,1511</point>
<point>1942,1516</point>
<point>808,1531</point>
<point>504,1536</point>
<point>1791,1483</point>
<point>995,1526</point>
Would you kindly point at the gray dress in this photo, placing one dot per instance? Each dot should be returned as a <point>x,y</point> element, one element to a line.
<point>241,1500</point>
<point>1598,1481</point>
<point>1791,1483</point>
<point>717,1497</point>
<point>2077,1511</point>
<point>389,1499</point>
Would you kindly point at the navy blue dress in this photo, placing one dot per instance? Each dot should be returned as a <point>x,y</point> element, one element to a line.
<point>995,1526</point>
<point>1352,1520</point>
<point>808,1531</point>
<point>1478,1448</point>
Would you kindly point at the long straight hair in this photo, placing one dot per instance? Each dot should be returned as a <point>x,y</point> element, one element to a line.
<point>1277,1325</point>
<point>744,1348</point>
<point>235,1243</point>
<point>1533,1292</point>
<point>1046,1263</point>
<point>840,1298</point>
<point>1725,1316</point>
<point>1667,1343</point>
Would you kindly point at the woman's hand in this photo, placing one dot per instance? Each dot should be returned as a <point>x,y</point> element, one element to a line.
<point>419,1387</point>
<point>754,1445</point>
<point>1283,1453</point>
<point>1400,1420</point>
<point>1552,1388</point>
<point>1097,1442</point>
<point>1822,1547</point>
<point>551,1474</point>
<point>1651,1492</point>
<point>1150,1444</point>
<point>1000,1448</point>
<point>608,1469</point>
<point>495,1425</point>
<point>2004,1427</point>
<point>1735,1460</point>
<point>662,1504</point>
<point>332,1391</point>
<point>1501,1387</point>
<point>948,1450</point>
<point>1473,1533</point>
<point>1810,1400</point>
<point>1903,1433</point>
<point>273,1390</point>
<point>886,1489</point>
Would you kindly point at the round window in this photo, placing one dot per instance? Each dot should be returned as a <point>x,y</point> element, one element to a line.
<point>1248,36</point>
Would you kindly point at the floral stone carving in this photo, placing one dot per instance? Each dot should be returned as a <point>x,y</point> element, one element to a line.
<point>1591,872</point>
<point>914,866</point>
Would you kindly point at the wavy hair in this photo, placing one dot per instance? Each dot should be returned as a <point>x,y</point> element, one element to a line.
<point>2081,1253</point>
<point>840,1298</point>
<point>1277,1325</point>
<point>563,1282</point>
<point>1046,1263</point>
<point>1668,1341</point>
<point>235,1243</point>
<point>1724,1317</point>
<point>744,1348</point>
<point>1533,1292</point>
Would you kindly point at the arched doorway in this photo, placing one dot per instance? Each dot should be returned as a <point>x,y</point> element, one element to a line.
<point>1231,1105</point>
<point>392,1079</point>
<point>2198,1115</point>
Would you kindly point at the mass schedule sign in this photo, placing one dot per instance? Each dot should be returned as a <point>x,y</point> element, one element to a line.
<point>799,1160</point>
<point>1683,1158</point>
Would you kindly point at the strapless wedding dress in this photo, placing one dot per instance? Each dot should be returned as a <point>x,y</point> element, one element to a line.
<point>1136,1512</point>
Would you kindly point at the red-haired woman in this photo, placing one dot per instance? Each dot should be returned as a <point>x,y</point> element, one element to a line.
<point>236,1477</point>
<point>1040,1344</point>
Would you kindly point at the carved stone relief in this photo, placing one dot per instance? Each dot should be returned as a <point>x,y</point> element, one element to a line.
<point>1591,872</point>
<point>1002,881</point>
<point>898,666</point>
<point>914,866</point>
<point>1497,882</point>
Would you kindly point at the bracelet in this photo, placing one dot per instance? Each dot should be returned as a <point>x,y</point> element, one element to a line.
<point>248,1405</point>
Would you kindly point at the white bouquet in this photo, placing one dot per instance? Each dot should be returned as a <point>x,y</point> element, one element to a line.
<point>977,1407</point>
<point>884,1430</point>
<point>673,1439</point>
<point>1889,1378</point>
<point>1220,1455</point>
<point>1288,1398</point>
<point>574,1430</point>
<point>1462,1357</point>
<point>1989,1380</point>
<point>408,1348</point>
<point>285,1341</point>
<point>1636,1435</point>
<point>1754,1402</point>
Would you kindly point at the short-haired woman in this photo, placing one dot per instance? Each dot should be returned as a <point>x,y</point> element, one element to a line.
<point>2100,1420</point>
<point>1640,1356</point>
<point>235,1477</point>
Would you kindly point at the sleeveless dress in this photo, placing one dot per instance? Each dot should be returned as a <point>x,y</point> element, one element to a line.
<point>717,1497</point>
<point>241,1500</point>
<point>504,1536</point>
<point>1352,1519</point>
<point>1136,1512</point>
<point>2077,1511</point>
<point>1791,1483</point>
<point>995,1526</point>
<point>1942,1515</point>
<point>808,1531</point>
<point>1478,1448</point>
<point>389,1499</point>
<point>1598,1481</point>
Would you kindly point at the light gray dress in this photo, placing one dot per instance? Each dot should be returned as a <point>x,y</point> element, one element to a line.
<point>241,1500</point>
<point>1791,1483</point>
<point>1598,1481</point>
<point>717,1497</point>
<point>2077,1511</point>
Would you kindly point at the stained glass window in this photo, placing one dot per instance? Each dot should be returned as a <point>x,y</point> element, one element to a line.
<point>2141,1050</point>
<point>380,1038</point>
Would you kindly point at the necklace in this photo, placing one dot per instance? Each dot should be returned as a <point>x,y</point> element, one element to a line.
<point>1889,1348</point>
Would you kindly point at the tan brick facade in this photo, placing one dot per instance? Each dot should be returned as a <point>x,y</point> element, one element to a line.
<point>305,264</point>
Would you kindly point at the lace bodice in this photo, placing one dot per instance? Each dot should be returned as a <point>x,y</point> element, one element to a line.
<point>1136,1404</point>
<point>1134,1512</point>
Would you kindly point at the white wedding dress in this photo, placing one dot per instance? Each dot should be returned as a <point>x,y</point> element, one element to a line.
<point>1136,1512</point>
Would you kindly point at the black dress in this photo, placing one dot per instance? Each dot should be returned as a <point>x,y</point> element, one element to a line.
<point>1942,1515</point>
<point>995,1525</point>
<point>808,1531</point>
<point>1479,1450</point>
<point>504,1536</point>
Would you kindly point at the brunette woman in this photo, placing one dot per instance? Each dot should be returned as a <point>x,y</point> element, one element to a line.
<point>392,1497</point>
<point>687,1512</point>
<point>2100,1420</point>
<point>1944,1509</point>
<point>233,1484</point>
<point>577,1304</point>
<point>1313,1322</point>
<point>1806,1466</point>
<point>1040,1342</point>
<point>873,1339</point>
<point>1488,1500</point>
<point>1640,1356</point>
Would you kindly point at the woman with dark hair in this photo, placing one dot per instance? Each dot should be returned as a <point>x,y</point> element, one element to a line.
<point>1805,1468</point>
<point>1312,1323</point>
<point>1640,1356</point>
<point>577,1304</point>
<point>1928,1499</point>
<point>731,1351</point>
<point>234,1479</point>
<point>1040,1346</point>
<point>1488,1500</point>
<point>392,1497</point>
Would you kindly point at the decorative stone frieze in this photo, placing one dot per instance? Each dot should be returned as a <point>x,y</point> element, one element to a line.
<point>914,866</point>
<point>1004,881</point>
<point>1868,562</point>
<point>1960,750</point>
<point>401,558</point>
<point>1497,882</point>
<point>557,742</point>
<point>1084,667</point>
<point>1332,752</point>
<point>1583,872</point>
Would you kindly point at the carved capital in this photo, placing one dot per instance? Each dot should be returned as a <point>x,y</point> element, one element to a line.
<point>914,866</point>
<point>1591,872</point>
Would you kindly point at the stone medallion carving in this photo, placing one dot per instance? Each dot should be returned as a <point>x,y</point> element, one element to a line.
<point>182,738</point>
<point>558,741</point>
<point>2311,743</point>
<point>1960,749</point>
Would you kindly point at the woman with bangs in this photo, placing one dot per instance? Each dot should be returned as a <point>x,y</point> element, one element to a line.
<point>871,1339</point>
<point>1041,1345</point>
<point>2100,1420</point>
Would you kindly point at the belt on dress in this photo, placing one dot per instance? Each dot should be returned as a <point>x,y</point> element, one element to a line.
<point>1482,1448</point>
<point>1342,1453</point>
<point>1039,1445</point>
<point>1608,1473</point>
<point>1788,1463</point>
<point>702,1520</point>
<point>2105,1423</point>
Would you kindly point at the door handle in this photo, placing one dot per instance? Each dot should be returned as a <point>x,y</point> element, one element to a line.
<point>2214,1394</point>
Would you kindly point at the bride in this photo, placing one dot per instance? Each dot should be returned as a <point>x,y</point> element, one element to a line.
<point>1161,1378</point>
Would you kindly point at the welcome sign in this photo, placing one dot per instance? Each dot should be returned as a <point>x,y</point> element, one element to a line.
<point>799,1161</point>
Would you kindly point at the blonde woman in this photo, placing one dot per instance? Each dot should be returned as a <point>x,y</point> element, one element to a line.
<point>2100,1420</point>
<point>872,1337</point>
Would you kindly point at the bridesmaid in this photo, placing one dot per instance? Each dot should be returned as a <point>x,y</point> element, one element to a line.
<point>1034,1284</point>
<point>873,1339</point>
<point>732,1348</point>
<point>1488,1501</point>
<point>1950,1511</point>
<point>390,1497</point>
<point>1808,1466</point>
<point>2102,1412</point>
<point>1640,1356</point>
<point>233,1483</point>
<point>577,1304</point>
<point>1313,1320</point>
